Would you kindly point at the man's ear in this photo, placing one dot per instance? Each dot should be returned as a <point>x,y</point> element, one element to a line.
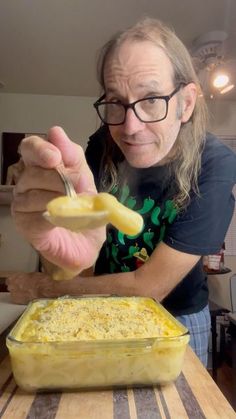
<point>189,96</point>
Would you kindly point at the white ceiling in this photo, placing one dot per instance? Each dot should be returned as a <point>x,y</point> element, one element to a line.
<point>50,46</point>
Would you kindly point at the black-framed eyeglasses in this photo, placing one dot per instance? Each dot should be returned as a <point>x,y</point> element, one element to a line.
<point>148,109</point>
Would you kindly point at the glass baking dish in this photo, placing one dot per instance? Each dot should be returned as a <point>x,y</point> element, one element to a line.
<point>46,356</point>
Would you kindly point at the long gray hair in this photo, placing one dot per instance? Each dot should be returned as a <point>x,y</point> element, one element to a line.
<point>191,137</point>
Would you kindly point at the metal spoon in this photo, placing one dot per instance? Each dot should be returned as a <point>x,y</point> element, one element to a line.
<point>78,222</point>
<point>69,187</point>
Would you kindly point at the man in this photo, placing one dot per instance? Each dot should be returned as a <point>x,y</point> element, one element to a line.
<point>154,155</point>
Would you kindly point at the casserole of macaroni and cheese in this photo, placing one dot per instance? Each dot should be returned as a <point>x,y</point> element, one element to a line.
<point>96,342</point>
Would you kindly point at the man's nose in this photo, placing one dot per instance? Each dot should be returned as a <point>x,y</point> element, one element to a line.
<point>132,124</point>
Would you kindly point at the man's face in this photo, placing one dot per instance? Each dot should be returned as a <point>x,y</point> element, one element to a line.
<point>137,70</point>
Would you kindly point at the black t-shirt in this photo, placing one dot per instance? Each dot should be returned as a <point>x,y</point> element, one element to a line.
<point>199,229</point>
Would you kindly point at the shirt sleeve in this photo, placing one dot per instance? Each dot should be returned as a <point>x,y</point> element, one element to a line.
<point>202,227</point>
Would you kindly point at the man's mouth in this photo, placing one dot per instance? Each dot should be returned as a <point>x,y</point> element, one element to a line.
<point>136,143</point>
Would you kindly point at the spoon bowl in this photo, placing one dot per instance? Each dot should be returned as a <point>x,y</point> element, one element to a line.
<point>78,222</point>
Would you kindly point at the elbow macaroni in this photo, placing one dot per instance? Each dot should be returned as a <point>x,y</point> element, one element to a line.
<point>90,211</point>
<point>123,218</point>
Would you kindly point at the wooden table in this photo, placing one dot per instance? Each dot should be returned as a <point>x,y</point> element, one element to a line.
<point>194,395</point>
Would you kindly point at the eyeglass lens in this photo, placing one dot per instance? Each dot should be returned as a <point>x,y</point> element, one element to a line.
<point>147,110</point>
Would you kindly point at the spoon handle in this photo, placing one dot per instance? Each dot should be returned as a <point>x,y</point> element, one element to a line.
<point>69,187</point>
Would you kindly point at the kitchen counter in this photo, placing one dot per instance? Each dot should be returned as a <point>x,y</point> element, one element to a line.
<point>9,312</point>
<point>193,395</point>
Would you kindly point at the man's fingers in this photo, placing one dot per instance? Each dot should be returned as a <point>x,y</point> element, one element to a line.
<point>49,153</point>
<point>36,151</point>
<point>73,157</point>
<point>59,148</point>
<point>35,177</point>
<point>72,153</point>
<point>33,200</point>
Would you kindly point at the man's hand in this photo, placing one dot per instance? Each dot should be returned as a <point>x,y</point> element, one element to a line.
<point>40,183</point>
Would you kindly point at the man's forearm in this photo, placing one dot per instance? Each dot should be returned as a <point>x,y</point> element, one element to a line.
<point>150,280</point>
<point>122,284</point>
<point>86,283</point>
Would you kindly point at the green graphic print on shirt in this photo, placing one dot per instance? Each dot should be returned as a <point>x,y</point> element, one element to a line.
<point>124,253</point>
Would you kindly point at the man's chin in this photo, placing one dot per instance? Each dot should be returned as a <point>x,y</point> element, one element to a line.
<point>142,163</point>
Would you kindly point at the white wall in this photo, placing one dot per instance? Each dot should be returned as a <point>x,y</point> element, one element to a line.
<point>37,113</point>
<point>222,117</point>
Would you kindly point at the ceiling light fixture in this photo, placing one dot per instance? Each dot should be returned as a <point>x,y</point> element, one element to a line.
<point>226,89</point>
<point>220,80</point>
<point>212,66</point>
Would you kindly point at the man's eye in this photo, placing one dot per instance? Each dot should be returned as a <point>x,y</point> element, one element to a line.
<point>113,100</point>
<point>151,100</point>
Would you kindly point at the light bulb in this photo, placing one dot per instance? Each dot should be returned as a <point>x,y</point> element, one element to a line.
<point>221,80</point>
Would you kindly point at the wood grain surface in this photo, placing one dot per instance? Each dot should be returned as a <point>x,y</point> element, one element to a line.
<point>194,395</point>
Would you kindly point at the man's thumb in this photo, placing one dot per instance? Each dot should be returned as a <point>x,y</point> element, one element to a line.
<point>69,150</point>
